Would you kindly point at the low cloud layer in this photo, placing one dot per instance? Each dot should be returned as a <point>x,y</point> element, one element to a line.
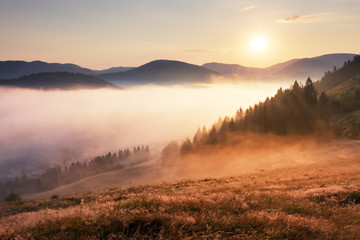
<point>50,127</point>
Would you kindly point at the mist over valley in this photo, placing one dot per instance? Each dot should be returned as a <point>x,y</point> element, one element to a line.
<point>207,119</point>
<point>43,128</point>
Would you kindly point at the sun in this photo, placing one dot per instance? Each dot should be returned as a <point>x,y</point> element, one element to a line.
<point>259,43</point>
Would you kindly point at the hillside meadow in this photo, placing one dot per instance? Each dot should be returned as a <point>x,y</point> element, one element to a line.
<point>300,200</point>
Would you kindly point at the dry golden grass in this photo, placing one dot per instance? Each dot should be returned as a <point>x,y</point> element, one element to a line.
<point>318,200</point>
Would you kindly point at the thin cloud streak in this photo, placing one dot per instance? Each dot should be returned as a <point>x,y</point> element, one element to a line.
<point>299,19</point>
<point>248,8</point>
<point>311,18</point>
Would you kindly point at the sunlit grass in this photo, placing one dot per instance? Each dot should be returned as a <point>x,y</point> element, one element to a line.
<point>313,201</point>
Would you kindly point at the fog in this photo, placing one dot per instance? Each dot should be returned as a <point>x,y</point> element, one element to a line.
<point>57,127</point>
<point>242,155</point>
<point>249,151</point>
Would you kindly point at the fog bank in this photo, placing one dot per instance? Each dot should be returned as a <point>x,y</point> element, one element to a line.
<point>63,126</point>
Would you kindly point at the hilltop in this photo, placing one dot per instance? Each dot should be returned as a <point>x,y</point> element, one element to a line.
<point>15,69</point>
<point>57,80</point>
<point>162,72</point>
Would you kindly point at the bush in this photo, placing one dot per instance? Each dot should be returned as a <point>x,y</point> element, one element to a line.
<point>12,197</point>
<point>55,196</point>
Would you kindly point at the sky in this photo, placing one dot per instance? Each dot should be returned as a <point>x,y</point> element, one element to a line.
<point>102,34</point>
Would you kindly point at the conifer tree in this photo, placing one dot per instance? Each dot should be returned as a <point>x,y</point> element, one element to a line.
<point>310,92</point>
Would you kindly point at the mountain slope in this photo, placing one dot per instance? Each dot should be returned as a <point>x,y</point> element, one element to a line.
<point>57,80</point>
<point>230,69</point>
<point>316,66</point>
<point>348,88</point>
<point>145,173</point>
<point>239,70</point>
<point>162,72</point>
<point>335,78</point>
<point>112,70</point>
<point>15,69</point>
<point>282,65</point>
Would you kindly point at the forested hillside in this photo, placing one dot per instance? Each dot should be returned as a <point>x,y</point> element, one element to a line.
<point>334,78</point>
<point>301,110</point>
<point>57,176</point>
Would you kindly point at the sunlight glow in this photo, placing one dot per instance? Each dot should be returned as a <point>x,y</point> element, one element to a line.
<point>259,43</point>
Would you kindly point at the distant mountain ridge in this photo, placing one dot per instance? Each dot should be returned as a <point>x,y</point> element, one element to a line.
<point>163,71</point>
<point>296,68</point>
<point>316,67</point>
<point>231,69</point>
<point>58,80</point>
<point>15,69</point>
<point>177,72</point>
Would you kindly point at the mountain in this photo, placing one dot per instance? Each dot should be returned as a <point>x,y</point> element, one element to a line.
<point>239,70</point>
<point>282,65</point>
<point>57,80</point>
<point>170,72</point>
<point>231,69</point>
<point>162,72</point>
<point>315,67</point>
<point>112,70</point>
<point>295,68</point>
<point>15,69</point>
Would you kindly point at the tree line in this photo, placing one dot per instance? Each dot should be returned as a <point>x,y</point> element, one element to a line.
<point>57,176</point>
<point>290,111</point>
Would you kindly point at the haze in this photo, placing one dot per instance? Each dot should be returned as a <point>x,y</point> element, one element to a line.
<point>60,126</point>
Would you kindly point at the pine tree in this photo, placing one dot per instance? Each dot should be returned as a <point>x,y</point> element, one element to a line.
<point>212,138</point>
<point>197,138</point>
<point>310,92</point>
<point>186,147</point>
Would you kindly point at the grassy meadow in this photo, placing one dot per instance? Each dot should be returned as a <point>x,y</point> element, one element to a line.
<point>312,200</point>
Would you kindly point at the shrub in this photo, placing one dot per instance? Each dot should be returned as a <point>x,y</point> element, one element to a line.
<point>55,196</point>
<point>12,197</point>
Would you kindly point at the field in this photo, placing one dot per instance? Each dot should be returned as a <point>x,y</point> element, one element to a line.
<point>140,174</point>
<point>300,200</point>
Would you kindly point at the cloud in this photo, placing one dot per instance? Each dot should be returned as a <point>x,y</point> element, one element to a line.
<point>247,8</point>
<point>312,18</point>
<point>299,18</point>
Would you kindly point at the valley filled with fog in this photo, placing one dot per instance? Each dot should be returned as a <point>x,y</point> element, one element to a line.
<point>47,128</point>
